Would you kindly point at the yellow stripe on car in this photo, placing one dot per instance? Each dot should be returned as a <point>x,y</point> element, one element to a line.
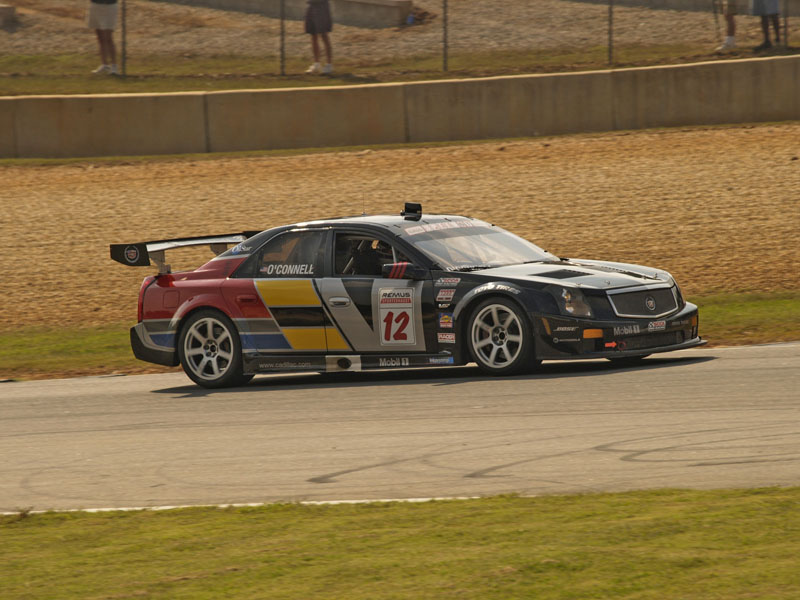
<point>335,340</point>
<point>306,338</point>
<point>288,292</point>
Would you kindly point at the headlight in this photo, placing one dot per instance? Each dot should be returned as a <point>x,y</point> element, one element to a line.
<point>572,303</point>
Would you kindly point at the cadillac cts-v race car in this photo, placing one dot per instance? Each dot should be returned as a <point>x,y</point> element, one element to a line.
<point>410,290</point>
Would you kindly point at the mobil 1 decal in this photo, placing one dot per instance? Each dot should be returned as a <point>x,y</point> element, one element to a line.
<point>396,316</point>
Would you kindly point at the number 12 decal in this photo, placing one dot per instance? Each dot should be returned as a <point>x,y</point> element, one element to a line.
<point>394,327</point>
<point>397,316</point>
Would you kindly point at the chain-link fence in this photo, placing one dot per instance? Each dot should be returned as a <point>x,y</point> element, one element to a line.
<point>480,36</point>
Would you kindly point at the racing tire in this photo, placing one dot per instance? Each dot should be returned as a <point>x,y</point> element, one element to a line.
<point>210,350</point>
<point>500,338</point>
<point>628,361</point>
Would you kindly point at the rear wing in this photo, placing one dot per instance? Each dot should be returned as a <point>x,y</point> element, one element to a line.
<point>139,254</point>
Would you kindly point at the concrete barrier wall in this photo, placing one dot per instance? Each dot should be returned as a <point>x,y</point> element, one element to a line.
<point>305,118</point>
<point>765,89</point>
<point>107,125</point>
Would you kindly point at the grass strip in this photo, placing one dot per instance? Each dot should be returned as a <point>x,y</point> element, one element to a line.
<point>33,353</point>
<point>664,545</point>
<point>26,74</point>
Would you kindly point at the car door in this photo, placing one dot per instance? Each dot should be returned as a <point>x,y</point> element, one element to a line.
<point>275,303</point>
<point>369,312</point>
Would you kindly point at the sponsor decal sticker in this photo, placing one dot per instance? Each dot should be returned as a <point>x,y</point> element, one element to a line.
<point>445,295</point>
<point>500,287</point>
<point>287,269</point>
<point>446,305</point>
<point>611,344</point>
<point>447,281</point>
<point>438,226</point>
<point>237,249</point>
<point>131,254</point>
<point>441,360</point>
<point>627,330</point>
<point>397,315</point>
<point>446,338</point>
<point>656,326</point>
<point>285,364</point>
<point>393,362</point>
<point>559,340</point>
<point>566,329</point>
<point>446,321</point>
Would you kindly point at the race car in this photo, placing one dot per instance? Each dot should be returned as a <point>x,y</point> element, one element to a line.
<point>396,291</point>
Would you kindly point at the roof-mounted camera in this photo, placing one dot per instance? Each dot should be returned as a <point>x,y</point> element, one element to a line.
<point>412,211</point>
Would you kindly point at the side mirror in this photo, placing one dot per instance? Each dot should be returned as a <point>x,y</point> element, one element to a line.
<point>403,270</point>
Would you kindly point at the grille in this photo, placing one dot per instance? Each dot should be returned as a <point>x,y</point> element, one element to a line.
<point>652,340</point>
<point>634,304</point>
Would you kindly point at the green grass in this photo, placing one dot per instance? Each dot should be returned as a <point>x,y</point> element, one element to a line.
<point>658,545</point>
<point>71,73</point>
<point>729,319</point>
<point>733,319</point>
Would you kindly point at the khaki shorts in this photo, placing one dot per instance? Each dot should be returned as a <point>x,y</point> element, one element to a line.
<point>735,7</point>
<point>102,16</point>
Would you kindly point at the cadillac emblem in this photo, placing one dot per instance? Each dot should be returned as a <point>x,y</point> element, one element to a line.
<point>650,303</point>
<point>131,254</point>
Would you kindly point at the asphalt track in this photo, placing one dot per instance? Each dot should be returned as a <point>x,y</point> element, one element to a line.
<point>703,418</point>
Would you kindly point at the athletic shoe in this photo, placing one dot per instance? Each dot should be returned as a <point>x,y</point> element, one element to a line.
<point>102,70</point>
<point>728,44</point>
<point>766,45</point>
<point>327,69</point>
<point>314,69</point>
<point>114,70</point>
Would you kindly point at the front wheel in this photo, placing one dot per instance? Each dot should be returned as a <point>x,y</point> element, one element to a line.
<point>210,350</point>
<point>500,338</point>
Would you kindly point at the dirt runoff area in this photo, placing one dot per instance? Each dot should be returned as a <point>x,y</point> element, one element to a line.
<point>718,207</point>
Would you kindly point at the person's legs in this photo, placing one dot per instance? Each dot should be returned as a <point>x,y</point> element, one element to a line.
<point>731,25</point>
<point>111,50</point>
<point>765,29</point>
<point>315,46</point>
<point>730,32</point>
<point>328,49</point>
<point>776,25</point>
<point>101,45</point>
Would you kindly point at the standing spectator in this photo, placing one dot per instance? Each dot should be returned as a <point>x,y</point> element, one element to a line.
<point>319,24</point>
<point>103,19</point>
<point>768,11</point>
<point>729,10</point>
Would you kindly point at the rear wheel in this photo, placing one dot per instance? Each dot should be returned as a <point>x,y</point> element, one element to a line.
<point>210,350</point>
<point>500,338</point>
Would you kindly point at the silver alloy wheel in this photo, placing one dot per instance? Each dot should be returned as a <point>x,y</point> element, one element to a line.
<point>496,336</point>
<point>208,348</point>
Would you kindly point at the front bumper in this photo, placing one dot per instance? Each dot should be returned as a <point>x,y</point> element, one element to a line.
<point>563,338</point>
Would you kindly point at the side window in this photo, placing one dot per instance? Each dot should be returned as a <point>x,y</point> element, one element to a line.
<point>357,254</point>
<point>294,254</point>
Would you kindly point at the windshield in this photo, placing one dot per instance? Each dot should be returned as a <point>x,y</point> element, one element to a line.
<point>477,246</point>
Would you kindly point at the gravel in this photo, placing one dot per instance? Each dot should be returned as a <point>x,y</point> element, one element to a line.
<point>717,207</point>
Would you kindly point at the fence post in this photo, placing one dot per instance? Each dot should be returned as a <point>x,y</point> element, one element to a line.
<point>283,37</point>
<point>611,32</point>
<point>786,23</point>
<point>444,35</point>
<point>124,38</point>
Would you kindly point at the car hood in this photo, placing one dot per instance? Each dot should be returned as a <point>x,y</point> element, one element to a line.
<point>583,273</point>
